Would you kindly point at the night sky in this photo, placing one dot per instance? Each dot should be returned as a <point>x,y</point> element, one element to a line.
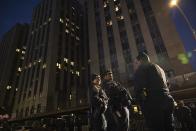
<point>13,11</point>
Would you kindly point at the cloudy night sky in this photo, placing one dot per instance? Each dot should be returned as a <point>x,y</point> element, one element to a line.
<point>13,11</point>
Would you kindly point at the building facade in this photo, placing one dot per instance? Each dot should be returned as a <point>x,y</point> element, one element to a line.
<point>120,29</point>
<point>12,51</point>
<point>55,70</point>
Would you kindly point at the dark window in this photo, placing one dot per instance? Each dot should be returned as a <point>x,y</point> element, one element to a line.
<point>154,30</point>
<point>136,27</point>
<point>38,108</point>
<point>42,81</point>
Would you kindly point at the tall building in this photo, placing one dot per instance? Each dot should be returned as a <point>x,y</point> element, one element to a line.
<point>12,51</point>
<point>119,29</point>
<point>55,70</point>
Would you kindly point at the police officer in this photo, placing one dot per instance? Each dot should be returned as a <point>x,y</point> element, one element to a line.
<point>153,95</point>
<point>99,101</point>
<point>183,114</point>
<point>117,114</point>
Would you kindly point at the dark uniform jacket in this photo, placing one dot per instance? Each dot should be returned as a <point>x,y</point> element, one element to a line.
<point>183,114</point>
<point>117,113</point>
<point>99,102</point>
<point>151,86</point>
<point>154,98</point>
<point>119,96</point>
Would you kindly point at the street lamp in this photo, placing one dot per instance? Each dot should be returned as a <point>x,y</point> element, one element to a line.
<point>174,3</point>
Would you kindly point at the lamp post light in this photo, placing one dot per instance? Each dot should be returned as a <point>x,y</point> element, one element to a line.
<point>174,3</point>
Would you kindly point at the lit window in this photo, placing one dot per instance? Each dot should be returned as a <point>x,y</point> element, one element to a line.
<point>77,27</point>
<point>77,38</point>
<point>67,19</point>
<point>77,73</point>
<point>66,60</point>
<point>49,19</point>
<point>19,69</point>
<point>109,23</point>
<point>116,9</point>
<point>44,66</point>
<point>23,52</point>
<point>66,30</point>
<point>39,60</point>
<point>59,66</point>
<point>72,72</point>
<point>8,87</point>
<point>80,101</point>
<point>121,17</point>
<point>61,20</point>
<point>22,58</point>
<point>17,50</point>
<point>105,5</point>
<point>70,97</point>
<point>72,63</point>
<point>135,109</point>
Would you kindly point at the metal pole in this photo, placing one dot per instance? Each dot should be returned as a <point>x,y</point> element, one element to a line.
<point>187,21</point>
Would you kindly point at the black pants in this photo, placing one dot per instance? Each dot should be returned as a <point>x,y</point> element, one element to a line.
<point>117,120</point>
<point>158,119</point>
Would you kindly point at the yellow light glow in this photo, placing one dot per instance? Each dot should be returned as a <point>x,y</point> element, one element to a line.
<point>135,109</point>
<point>173,3</point>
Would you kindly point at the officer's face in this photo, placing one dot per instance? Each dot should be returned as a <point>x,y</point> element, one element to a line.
<point>136,64</point>
<point>109,76</point>
<point>97,80</point>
